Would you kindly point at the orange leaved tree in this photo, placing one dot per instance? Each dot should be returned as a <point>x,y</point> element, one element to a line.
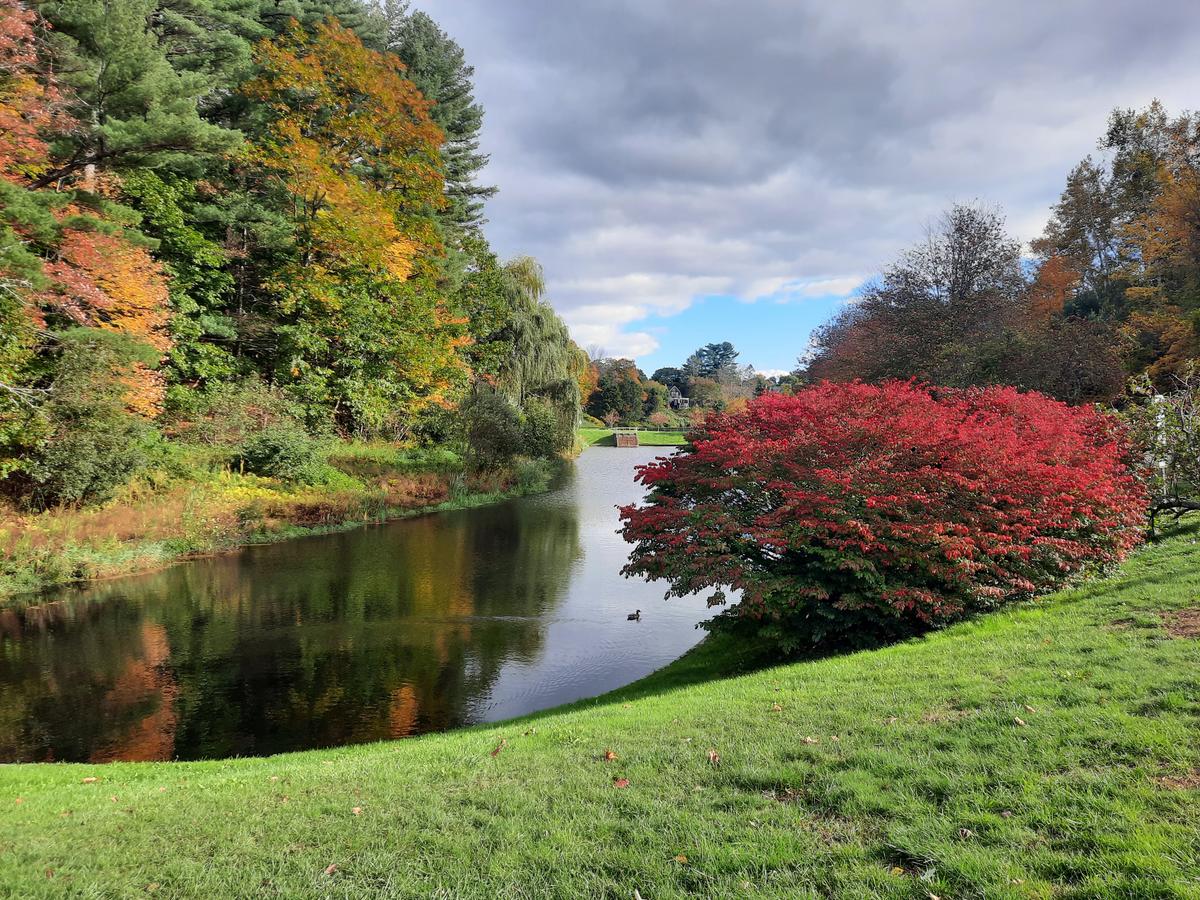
<point>354,152</point>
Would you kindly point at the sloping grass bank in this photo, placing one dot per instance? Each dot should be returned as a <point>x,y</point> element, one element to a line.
<point>196,503</point>
<point>1051,750</point>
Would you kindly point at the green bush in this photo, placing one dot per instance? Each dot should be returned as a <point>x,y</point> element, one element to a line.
<point>285,451</point>
<point>229,414</point>
<point>532,476</point>
<point>541,430</point>
<point>494,430</point>
<point>85,443</point>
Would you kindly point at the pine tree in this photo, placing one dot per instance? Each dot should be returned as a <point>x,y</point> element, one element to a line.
<point>133,107</point>
<point>438,67</point>
<point>365,21</point>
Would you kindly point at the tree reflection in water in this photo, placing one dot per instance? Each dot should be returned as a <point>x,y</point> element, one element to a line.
<point>361,636</point>
<point>376,633</point>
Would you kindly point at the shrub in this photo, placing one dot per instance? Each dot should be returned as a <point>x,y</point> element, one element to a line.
<point>540,438</point>
<point>86,443</point>
<point>285,451</point>
<point>851,513</point>
<point>546,434</point>
<point>494,429</point>
<point>229,414</point>
<point>532,476</point>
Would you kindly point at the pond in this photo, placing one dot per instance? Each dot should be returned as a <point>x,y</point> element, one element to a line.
<point>382,632</point>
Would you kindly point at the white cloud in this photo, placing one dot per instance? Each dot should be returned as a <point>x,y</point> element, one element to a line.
<point>652,153</point>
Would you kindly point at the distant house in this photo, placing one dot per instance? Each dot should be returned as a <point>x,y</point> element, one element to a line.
<point>675,399</point>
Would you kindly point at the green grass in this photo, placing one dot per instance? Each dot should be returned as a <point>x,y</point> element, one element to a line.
<point>589,436</point>
<point>900,772</point>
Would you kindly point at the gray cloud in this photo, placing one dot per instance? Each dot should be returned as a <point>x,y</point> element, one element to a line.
<point>652,151</point>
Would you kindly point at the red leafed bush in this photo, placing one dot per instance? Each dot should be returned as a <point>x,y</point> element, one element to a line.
<point>852,513</point>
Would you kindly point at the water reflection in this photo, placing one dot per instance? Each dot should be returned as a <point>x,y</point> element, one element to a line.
<point>378,633</point>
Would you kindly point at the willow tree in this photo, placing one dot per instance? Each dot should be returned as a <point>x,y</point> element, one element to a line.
<point>541,370</point>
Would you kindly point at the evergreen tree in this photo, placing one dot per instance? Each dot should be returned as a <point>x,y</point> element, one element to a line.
<point>437,65</point>
<point>132,106</point>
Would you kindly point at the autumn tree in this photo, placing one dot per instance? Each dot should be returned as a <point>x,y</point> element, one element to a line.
<point>31,108</point>
<point>849,514</point>
<point>1123,226</point>
<point>363,328</point>
<point>1083,237</point>
<point>620,390</point>
<point>65,261</point>
<point>1165,295</point>
<point>931,314</point>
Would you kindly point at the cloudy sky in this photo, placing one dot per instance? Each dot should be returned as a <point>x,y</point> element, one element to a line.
<point>691,170</point>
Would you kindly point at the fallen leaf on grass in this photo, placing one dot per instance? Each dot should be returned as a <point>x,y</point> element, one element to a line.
<point>91,779</point>
<point>500,746</point>
<point>1021,722</point>
<point>331,868</point>
<point>620,782</point>
<point>274,777</point>
<point>357,810</point>
<point>812,740</point>
<point>1006,814</point>
<point>714,758</point>
<point>19,801</point>
<point>1029,708</point>
<point>681,859</point>
<point>113,798</point>
<point>835,738</point>
<point>609,756</point>
<point>775,707</point>
<point>897,871</point>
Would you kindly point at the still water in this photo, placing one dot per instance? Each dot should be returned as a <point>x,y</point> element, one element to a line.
<point>418,625</point>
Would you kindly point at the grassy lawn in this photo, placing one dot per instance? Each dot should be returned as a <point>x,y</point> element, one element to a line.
<point>589,436</point>
<point>1051,750</point>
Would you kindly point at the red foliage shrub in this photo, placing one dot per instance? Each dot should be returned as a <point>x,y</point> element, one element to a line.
<point>851,512</point>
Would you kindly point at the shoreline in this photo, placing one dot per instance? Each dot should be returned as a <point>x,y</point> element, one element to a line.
<point>275,513</point>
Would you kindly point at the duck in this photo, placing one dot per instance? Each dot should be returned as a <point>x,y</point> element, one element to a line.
<point>635,616</point>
